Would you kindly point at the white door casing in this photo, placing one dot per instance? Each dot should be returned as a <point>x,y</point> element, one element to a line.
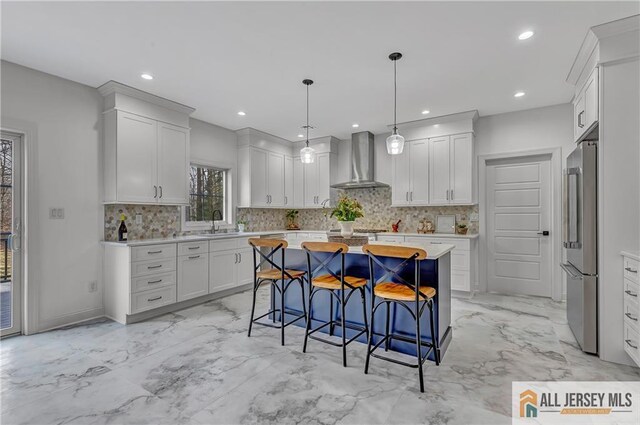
<point>518,208</point>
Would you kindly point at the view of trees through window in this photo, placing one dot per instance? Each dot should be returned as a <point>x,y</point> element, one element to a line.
<point>206,194</point>
<point>6,175</point>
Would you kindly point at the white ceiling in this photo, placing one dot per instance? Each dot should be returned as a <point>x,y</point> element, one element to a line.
<point>221,58</point>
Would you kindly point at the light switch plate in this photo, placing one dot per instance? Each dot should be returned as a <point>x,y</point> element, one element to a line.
<point>138,218</point>
<point>56,213</point>
<point>474,217</point>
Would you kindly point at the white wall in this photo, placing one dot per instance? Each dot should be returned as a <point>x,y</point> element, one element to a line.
<point>216,146</point>
<point>63,124</point>
<point>548,127</point>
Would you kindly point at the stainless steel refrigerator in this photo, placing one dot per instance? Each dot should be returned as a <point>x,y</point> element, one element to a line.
<point>580,241</point>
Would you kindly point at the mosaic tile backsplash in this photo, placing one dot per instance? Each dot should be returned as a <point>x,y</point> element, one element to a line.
<point>158,221</point>
<point>377,210</point>
<point>164,221</point>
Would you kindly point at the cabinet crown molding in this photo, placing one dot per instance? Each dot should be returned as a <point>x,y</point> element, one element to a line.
<point>111,87</point>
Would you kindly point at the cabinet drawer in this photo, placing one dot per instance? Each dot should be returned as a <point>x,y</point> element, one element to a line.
<point>144,283</point>
<point>631,312</point>
<point>631,269</point>
<point>142,268</point>
<point>460,260</point>
<point>153,252</point>
<point>631,340</point>
<point>223,245</point>
<point>154,298</point>
<point>460,280</point>
<point>189,248</point>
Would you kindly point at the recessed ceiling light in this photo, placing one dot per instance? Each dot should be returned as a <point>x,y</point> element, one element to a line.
<point>355,125</point>
<point>425,112</point>
<point>518,94</point>
<point>146,76</point>
<point>300,135</point>
<point>241,113</point>
<point>525,35</point>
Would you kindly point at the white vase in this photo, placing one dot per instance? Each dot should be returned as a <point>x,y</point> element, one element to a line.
<point>346,228</point>
<point>240,228</point>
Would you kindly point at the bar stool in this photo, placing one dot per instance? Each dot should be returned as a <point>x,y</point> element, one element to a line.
<point>272,276</point>
<point>413,296</point>
<point>340,286</point>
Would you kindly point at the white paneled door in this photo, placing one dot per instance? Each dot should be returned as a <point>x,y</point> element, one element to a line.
<point>518,215</point>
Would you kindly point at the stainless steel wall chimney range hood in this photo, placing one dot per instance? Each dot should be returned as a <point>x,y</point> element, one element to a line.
<point>362,163</point>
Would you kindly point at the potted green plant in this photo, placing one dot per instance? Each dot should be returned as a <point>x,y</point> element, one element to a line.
<point>462,228</point>
<point>292,217</point>
<point>241,225</point>
<point>346,211</point>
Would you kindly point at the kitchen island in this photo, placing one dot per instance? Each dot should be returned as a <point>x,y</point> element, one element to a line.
<point>435,271</point>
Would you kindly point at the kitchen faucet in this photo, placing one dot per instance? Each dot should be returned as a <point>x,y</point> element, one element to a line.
<point>213,220</point>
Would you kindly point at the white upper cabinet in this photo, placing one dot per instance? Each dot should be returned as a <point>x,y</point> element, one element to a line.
<point>288,182</point>
<point>146,147</point>
<point>311,184</point>
<point>173,164</point>
<point>136,163</point>
<point>298,183</point>
<point>275,179</point>
<point>585,106</point>
<point>317,182</point>
<point>410,178</point>
<point>452,170</point>
<point>266,171</point>
<point>324,178</point>
<point>146,161</point>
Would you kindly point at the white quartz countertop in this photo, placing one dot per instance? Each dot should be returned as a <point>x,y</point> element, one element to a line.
<point>434,251</point>
<point>432,235</point>
<point>193,238</point>
<point>634,255</point>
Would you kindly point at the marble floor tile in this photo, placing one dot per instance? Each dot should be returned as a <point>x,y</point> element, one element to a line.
<point>197,366</point>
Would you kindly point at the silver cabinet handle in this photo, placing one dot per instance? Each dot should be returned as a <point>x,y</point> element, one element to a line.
<point>155,191</point>
<point>580,123</point>
<point>154,252</point>
<point>193,257</point>
<point>407,196</point>
<point>154,267</point>
<point>151,282</point>
<point>631,317</point>
<point>236,261</point>
<point>631,294</point>
<point>240,258</point>
<point>452,194</point>
<point>411,196</point>
<point>630,270</point>
<point>154,299</point>
<point>447,194</point>
<point>194,247</point>
<point>286,200</point>
<point>628,341</point>
<point>160,191</point>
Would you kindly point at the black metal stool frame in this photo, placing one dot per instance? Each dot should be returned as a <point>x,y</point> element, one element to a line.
<point>340,299</point>
<point>285,276</point>
<point>416,314</point>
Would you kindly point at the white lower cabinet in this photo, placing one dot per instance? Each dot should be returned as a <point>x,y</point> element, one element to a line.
<point>193,271</point>
<point>223,270</point>
<point>230,264</point>
<point>463,257</point>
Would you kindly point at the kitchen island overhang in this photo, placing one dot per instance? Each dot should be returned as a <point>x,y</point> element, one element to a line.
<point>435,271</point>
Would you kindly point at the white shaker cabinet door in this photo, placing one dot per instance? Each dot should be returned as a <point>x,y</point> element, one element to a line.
<point>222,270</point>
<point>275,180</point>
<point>298,183</point>
<point>311,184</point>
<point>439,170</point>
<point>193,276</point>
<point>259,164</point>
<point>401,177</point>
<point>288,182</point>
<point>419,169</point>
<point>173,161</point>
<point>136,159</point>
<point>324,178</point>
<point>461,184</point>
<point>245,266</point>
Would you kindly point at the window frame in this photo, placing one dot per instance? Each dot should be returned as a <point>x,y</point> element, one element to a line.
<point>228,201</point>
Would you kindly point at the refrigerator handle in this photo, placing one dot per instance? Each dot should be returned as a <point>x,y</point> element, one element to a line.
<point>569,270</point>
<point>570,208</point>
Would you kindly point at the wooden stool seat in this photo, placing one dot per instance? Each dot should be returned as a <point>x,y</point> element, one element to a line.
<point>277,274</point>
<point>329,282</point>
<point>400,292</point>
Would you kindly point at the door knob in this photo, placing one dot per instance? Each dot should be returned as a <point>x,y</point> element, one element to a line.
<point>544,233</point>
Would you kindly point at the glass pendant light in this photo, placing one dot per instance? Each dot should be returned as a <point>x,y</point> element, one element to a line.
<point>307,154</point>
<point>395,142</point>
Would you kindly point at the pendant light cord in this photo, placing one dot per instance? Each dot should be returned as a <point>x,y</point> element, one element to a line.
<point>395,97</point>
<point>307,115</point>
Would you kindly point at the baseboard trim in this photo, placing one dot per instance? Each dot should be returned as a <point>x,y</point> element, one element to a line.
<point>70,319</point>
